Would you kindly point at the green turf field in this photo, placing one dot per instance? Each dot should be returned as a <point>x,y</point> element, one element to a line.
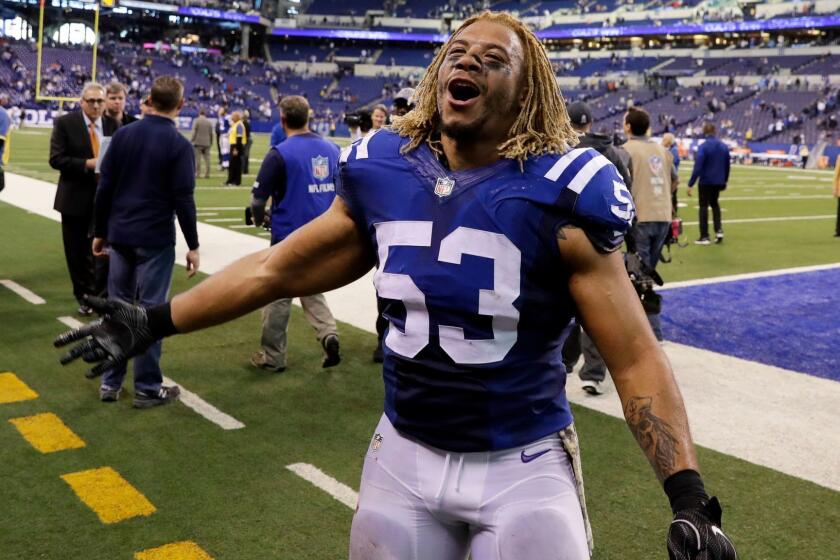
<point>229,491</point>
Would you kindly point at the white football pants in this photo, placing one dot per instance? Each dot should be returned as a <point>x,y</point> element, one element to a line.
<point>421,503</point>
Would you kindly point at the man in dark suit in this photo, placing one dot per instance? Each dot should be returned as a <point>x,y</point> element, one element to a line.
<point>74,148</point>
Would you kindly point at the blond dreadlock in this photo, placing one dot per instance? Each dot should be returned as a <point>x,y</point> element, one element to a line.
<point>542,125</point>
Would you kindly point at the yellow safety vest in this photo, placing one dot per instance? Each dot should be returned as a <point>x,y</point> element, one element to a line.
<point>237,130</point>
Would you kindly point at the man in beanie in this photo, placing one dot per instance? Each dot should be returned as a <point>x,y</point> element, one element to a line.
<point>403,101</point>
<point>580,116</point>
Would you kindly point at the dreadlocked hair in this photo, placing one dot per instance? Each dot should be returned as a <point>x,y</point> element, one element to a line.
<point>542,125</point>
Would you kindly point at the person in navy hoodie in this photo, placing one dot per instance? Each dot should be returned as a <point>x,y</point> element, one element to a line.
<point>711,170</point>
<point>147,178</point>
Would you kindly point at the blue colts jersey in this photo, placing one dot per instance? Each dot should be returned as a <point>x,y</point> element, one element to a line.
<point>473,286</point>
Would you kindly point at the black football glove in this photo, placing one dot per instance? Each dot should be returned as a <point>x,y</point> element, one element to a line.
<point>122,333</point>
<point>695,534</point>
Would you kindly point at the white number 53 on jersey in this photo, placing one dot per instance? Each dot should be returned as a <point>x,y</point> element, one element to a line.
<point>497,302</point>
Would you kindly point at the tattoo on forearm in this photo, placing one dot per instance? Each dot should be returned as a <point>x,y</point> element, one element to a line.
<point>561,234</point>
<point>655,436</point>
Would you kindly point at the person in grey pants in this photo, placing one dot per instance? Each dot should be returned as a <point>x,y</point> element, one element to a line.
<point>202,140</point>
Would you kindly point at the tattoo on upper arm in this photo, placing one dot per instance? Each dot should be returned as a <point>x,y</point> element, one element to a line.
<point>561,234</point>
<point>655,436</point>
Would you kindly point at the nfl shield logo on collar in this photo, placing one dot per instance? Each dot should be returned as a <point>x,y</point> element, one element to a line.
<point>320,167</point>
<point>444,186</point>
<point>377,442</point>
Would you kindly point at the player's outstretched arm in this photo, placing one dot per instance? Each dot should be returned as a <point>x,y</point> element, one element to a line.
<point>613,317</point>
<point>327,253</point>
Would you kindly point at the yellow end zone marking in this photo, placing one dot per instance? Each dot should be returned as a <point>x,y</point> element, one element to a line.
<point>185,550</point>
<point>47,433</point>
<point>12,389</point>
<point>108,494</point>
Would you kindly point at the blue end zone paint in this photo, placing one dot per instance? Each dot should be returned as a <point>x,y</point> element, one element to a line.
<point>790,321</point>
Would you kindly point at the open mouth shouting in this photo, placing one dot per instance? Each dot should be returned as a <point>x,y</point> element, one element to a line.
<point>462,93</point>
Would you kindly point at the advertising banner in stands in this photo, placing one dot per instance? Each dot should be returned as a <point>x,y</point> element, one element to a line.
<point>693,28</point>
<point>584,32</point>
<point>218,14</point>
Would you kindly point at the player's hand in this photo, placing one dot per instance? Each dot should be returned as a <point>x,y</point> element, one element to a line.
<point>689,191</point>
<point>122,332</point>
<point>695,534</point>
<point>90,164</point>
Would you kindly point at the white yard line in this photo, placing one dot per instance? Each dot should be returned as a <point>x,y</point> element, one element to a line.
<point>809,178</point>
<point>25,293</point>
<point>747,276</point>
<point>773,219</point>
<point>325,482</point>
<point>780,169</point>
<point>222,220</point>
<point>729,410</point>
<point>188,398</point>
<point>202,209</point>
<point>791,196</point>
<point>241,226</point>
<point>202,214</point>
<point>205,409</point>
<point>71,322</point>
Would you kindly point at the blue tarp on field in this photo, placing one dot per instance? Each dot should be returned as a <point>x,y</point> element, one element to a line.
<point>790,321</point>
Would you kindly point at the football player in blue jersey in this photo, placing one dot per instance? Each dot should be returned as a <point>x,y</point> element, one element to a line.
<point>488,231</point>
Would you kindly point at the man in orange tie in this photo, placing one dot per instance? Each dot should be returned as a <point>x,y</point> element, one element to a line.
<point>74,149</point>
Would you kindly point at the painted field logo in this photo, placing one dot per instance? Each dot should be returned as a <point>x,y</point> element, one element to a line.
<point>320,167</point>
<point>444,186</point>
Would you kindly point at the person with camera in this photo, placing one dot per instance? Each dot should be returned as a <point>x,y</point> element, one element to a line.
<point>297,175</point>
<point>654,179</point>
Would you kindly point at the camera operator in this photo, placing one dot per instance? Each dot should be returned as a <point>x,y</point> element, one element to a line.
<point>297,175</point>
<point>359,124</point>
<point>403,102</point>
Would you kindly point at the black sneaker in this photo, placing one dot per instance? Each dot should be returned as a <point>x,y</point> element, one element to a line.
<point>109,394</point>
<point>333,357</point>
<point>719,237</point>
<point>164,395</point>
<point>703,241</point>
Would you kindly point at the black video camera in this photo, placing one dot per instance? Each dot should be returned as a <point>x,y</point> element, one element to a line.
<point>249,218</point>
<point>644,279</point>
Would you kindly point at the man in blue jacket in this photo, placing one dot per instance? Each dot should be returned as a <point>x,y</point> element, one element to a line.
<point>711,170</point>
<point>147,178</point>
<point>297,174</point>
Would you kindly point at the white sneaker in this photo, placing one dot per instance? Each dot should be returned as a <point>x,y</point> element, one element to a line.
<point>703,241</point>
<point>593,387</point>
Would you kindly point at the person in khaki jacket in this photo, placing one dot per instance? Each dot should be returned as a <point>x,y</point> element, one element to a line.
<point>202,139</point>
<point>654,181</point>
<point>837,195</point>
